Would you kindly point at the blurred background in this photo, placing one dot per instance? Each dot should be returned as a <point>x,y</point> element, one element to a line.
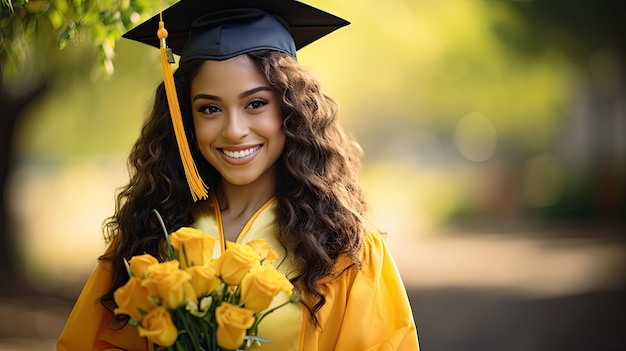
<point>495,158</point>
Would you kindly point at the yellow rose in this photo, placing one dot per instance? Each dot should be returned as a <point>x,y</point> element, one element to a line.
<point>198,246</point>
<point>158,327</point>
<point>235,262</point>
<point>260,285</point>
<point>232,323</point>
<point>170,284</point>
<point>204,279</point>
<point>132,299</point>
<point>139,265</point>
<point>267,254</point>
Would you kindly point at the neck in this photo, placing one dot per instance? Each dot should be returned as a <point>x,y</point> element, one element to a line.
<point>244,200</point>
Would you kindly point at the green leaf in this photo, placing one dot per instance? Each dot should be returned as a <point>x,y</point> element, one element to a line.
<point>63,39</point>
<point>167,237</point>
<point>130,273</point>
<point>56,19</point>
<point>62,6</point>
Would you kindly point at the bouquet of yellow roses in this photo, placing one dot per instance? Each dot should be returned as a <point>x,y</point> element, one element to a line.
<point>196,302</point>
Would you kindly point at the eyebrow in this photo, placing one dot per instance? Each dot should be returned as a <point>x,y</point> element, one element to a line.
<point>241,96</point>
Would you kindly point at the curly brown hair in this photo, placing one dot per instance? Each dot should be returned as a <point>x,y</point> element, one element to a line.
<point>320,203</point>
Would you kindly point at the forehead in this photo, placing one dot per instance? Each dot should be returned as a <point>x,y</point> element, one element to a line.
<point>239,73</point>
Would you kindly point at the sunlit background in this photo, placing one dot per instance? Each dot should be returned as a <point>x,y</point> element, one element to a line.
<point>495,159</point>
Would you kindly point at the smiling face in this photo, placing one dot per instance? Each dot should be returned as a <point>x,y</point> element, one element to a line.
<point>237,119</point>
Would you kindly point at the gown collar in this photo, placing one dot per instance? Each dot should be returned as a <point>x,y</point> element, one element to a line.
<point>209,220</point>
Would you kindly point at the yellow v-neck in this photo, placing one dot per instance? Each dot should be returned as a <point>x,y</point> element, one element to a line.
<point>286,325</point>
<point>246,227</point>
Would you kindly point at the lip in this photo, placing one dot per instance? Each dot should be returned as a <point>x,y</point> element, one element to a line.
<point>233,154</point>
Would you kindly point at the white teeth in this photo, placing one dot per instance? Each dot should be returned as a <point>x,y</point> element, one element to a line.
<point>240,153</point>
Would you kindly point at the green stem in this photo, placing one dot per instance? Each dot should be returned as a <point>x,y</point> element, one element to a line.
<point>255,326</point>
<point>193,334</point>
<point>225,293</point>
<point>185,256</point>
<point>130,273</point>
<point>212,323</point>
<point>167,237</point>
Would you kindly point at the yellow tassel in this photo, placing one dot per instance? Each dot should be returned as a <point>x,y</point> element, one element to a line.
<point>198,188</point>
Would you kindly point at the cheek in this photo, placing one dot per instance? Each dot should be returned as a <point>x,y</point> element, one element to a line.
<point>274,124</point>
<point>282,140</point>
<point>273,131</point>
<point>205,134</point>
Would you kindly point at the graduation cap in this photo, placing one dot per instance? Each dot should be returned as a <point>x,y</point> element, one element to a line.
<point>218,30</point>
<point>222,29</point>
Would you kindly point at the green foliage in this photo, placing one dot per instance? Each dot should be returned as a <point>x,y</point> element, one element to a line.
<point>23,23</point>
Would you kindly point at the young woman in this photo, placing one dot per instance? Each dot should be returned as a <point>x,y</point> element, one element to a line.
<point>277,166</point>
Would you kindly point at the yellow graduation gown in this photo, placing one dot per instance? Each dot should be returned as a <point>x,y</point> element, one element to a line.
<point>365,309</point>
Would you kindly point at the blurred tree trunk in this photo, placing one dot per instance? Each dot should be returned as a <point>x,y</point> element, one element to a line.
<point>34,27</point>
<point>12,107</point>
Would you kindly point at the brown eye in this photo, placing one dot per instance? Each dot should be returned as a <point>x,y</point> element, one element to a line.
<point>209,109</point>
<point>254,104</point>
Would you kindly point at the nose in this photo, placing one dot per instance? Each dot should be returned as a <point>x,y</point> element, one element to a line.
<point>236,126</point>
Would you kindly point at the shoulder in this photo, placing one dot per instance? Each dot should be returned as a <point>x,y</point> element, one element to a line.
<point>373,242</point>
<point>373,246</point>
<point>376,259</point>
<point>372,254</point>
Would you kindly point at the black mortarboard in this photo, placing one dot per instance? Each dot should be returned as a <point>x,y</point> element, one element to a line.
<point>222,29</point>
<point>218,30</point>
